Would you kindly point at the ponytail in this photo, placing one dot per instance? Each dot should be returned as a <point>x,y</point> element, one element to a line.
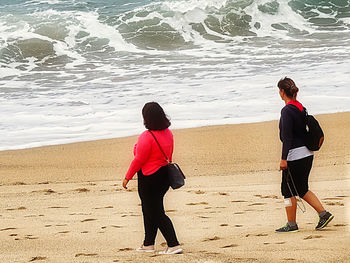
<point>289,87</point>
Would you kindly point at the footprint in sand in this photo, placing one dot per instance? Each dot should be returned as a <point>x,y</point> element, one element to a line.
<point>18,183</point>
<point>238,201</point>
<point>63,232</point>
<point>37,258</point>
<point>45,191</point>
<point>246,259</point>
<point>333,198</point>
<point>222,193</point>
<point>253,204</point>
<point>82,190</point>
<point>104,227</point>
<point>125,249</point>
<point>200,203</point>
<point>106,207</point>
<point>267,196</point>
<point>238,225</point>
<point>228,246</point>
<point>238,213</point>
<point>312,237</point>
<point>170,210</point>
<point>85,255</point>
<point>18,208</point>
<point>199,192</point>
<point>335,203</point>
<point>256,235</point>
<point>224,225</point>
<point>30,237</point>
<point>211,239</point>
<point>80,214</point>
<point>88,220</point>
<point>57,207</point>
<point>280,243</point>
<point>8,228</point>
<point>338,225</point>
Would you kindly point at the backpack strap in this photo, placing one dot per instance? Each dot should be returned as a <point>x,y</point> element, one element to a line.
<point>167,159</point>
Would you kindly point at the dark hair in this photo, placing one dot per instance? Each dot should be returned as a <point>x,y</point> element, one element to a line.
<point>154,117</point>
<point>289,87</point>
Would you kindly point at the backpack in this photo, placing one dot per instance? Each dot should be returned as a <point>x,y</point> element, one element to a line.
<point>314,133</point>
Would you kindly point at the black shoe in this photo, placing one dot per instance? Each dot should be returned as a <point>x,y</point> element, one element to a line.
<point>324,221</point>
<point>287,228</point>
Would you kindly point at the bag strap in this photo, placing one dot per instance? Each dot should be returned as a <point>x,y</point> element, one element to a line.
<point>167,159</point>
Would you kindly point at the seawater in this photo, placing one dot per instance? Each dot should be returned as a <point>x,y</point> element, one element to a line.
<point>75,70</point>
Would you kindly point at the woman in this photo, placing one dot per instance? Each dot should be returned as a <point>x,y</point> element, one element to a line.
<point>296,159</point>
<point>150,165</point>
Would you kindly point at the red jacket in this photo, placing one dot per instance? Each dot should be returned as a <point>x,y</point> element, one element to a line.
<point>148,156</point>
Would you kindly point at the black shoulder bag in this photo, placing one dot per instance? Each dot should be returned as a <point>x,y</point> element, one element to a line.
<point>176,176</point>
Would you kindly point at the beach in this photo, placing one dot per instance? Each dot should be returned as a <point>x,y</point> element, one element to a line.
<point>65,203</point>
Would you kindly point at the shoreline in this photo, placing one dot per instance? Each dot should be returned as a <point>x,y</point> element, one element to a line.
<point>209,150</point>
<point>136,134</point>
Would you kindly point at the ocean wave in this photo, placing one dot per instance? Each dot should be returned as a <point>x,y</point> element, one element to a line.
<point>53,34</point>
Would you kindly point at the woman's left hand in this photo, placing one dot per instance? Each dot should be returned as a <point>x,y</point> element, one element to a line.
<point>125,182</point>
<point>283,165</point>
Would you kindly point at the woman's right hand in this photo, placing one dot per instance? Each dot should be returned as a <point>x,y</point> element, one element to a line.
<point>283,165</point>
<point>125,182</point>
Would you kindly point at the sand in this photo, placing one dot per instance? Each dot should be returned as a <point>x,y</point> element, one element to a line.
<point>65,203</point>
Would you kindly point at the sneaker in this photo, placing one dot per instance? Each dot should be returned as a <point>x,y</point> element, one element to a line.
<point>287,228</point>
<point>148,249</point>
<point>172,250</point>
<point>324,221</point>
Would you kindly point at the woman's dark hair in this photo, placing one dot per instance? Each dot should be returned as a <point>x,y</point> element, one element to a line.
<point>289,87</point>
<point>154,117</point>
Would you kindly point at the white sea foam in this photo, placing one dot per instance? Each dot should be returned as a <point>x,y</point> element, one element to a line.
<point>188,6</point>
<point>266,20</point>
<point>95,28</point>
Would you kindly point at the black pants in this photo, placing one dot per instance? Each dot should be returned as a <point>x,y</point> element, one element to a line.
<point>152,189</point>
<point>299,171</point>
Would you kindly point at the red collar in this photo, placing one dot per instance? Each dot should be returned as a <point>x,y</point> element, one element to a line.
<point>296,104</point>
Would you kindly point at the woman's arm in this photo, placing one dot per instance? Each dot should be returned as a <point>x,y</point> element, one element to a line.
<point>142,152</point>
<point>286,136</point>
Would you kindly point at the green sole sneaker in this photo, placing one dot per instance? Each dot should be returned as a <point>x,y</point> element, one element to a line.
<point>287,229</point>
<point>323,222</point>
